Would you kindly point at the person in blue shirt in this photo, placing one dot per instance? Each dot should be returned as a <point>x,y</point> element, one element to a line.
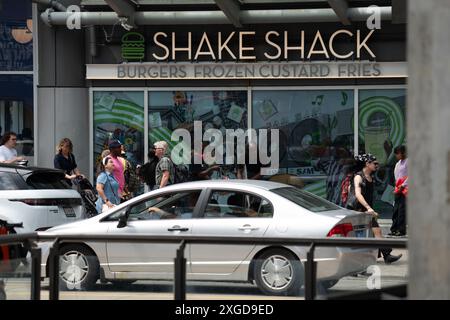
<point>107,186</point>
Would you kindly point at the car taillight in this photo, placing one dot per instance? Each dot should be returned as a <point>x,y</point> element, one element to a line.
<point>340,230</point>
<point>50,202</point>
<point>37,202</point>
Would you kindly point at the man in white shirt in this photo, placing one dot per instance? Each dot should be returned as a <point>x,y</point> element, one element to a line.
<point>8,152</point>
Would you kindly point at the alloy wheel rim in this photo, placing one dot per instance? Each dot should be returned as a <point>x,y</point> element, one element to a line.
<point>277,272</point>
<point>74,268</point>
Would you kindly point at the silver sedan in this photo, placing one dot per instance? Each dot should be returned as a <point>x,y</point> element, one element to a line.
<point>219,208</point>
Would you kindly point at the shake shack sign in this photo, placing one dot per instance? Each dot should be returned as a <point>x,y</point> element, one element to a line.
<point>241,46</point>
<point>236,56</point>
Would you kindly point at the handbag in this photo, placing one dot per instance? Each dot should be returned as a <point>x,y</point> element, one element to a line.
<point>352,201</point>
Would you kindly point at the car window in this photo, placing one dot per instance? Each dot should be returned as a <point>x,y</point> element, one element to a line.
<point>305,199</point>
<point>12,181</point>
<point>47,180</point>
<point>233,204</point>
<point>176,205</point>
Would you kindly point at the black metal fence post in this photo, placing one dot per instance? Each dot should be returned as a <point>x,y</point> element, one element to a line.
<point>54,270</point>
<point>180,273</point>
<point>36,254</point>
<point>310,274</point>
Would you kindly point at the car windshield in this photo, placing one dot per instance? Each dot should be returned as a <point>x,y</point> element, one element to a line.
<point>305,199</point>
<point>47,180</point>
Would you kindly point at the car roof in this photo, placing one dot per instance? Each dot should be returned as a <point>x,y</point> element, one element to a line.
<point>261,184</point>
<point>26,169</point>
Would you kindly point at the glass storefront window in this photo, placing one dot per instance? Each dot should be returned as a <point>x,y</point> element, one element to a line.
<point>170,110</point>
<point>382,127</point>
<point>16,111</point>
<point>316,130</point>
<point>119,115</point>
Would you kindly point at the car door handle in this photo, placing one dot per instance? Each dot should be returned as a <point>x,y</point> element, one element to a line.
<point>176,228</point>
<point>247,227</point>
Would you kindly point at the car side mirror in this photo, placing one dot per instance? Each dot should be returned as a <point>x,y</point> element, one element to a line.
<point>123,221</point>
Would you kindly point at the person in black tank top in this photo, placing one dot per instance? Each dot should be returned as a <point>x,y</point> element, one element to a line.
<point>364,188</point>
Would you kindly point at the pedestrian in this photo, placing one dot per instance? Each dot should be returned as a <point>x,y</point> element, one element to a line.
<point>65,160</point>
<point>363,188</point>
<point>165,169</point>
<point>107,187</point>
<point>251,169</point>
<point>132,183</point>
<point>115,147</point>
<point>99,167</point>
<point>8,152</point>
<point>201,171</point>
<point>398,227</point>
<point>148,171</point>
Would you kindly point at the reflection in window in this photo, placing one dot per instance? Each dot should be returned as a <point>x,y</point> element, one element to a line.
<point>178,205</point>
<point>119,115</point>
<point>16,111</point>
<point>170,110</point>
<point>231,204</point>
<point>382,127</point>
<point>316,136</point>
<point>12,181</point>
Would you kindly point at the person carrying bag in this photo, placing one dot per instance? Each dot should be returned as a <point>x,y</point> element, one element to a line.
<point>107,187</point>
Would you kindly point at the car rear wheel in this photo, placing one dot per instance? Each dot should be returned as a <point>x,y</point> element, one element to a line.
<point>79,268</point>
<point>278,272</point>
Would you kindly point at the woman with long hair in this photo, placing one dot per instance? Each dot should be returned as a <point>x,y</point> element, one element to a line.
<point>65,160</point>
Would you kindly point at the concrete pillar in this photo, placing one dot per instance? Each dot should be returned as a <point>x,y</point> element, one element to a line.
<point>429,148</point>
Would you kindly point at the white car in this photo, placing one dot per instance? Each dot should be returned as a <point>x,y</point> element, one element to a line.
<point>215,208</point>
<point>37,197</point>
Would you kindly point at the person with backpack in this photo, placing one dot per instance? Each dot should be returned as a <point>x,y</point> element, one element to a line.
<point>148,171</point>
<point>165,169</point>
<point>360,198</point>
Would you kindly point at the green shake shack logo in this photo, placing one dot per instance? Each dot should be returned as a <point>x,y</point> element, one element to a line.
<point>133,47</point>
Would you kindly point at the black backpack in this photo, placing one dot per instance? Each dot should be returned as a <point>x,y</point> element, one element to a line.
<point>181,173</point>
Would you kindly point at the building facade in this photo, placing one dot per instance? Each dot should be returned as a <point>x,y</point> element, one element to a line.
<point>332,89</point>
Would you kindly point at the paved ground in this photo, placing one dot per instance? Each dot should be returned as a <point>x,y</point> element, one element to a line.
<point>390,275</point>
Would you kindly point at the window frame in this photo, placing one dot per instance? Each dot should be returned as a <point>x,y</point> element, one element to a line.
<point>127,209</point>
<point>207,197</point>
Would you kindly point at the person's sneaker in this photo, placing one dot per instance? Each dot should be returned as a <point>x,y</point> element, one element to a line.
<point>388,259</point>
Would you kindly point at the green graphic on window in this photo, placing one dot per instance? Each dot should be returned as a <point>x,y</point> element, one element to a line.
<point>133,46</point>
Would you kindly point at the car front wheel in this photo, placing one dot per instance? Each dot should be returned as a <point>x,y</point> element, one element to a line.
<point>278,272</point>
<point>79,268</point>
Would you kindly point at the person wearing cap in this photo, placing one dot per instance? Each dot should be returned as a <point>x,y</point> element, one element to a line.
<point>115,147</point>
<point>363,184</point>
<point>107,186</point>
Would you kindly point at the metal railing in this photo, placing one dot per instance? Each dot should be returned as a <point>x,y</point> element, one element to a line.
<point>28,240</point>
<point>180,261</point>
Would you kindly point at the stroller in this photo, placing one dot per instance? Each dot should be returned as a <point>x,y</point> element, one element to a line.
<point>88,195</point>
